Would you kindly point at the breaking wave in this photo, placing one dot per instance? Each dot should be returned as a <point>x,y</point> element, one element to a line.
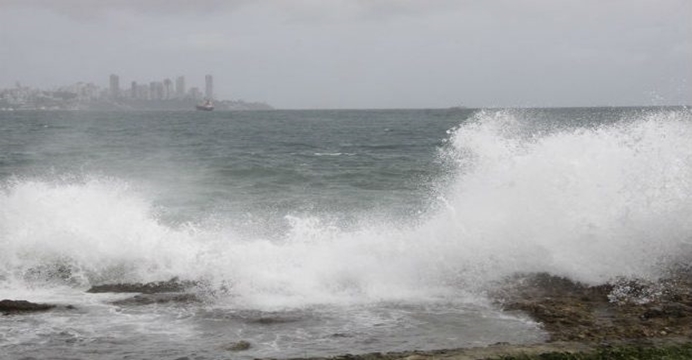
<point>590,203</point>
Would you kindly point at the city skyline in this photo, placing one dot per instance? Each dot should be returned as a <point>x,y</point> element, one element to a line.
<point>164,89</point>
<point>164,94</point>
<point>366,54</point>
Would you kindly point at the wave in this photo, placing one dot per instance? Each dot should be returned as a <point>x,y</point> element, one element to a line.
<point>590,203</point>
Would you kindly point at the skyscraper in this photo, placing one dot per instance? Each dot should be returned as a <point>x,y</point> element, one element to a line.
<point>156,90</point>
<point>209,88</point>
<point>180,87</point>
<point>195,94</point>
<point>114,86</point>
<point>167,89</point>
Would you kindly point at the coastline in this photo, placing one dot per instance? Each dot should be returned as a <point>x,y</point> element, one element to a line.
<point>626,319</point>
<point>671,348</point>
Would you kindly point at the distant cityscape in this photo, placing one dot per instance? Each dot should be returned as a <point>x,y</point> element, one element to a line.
<point>160,90</point>
<point>154,95</point>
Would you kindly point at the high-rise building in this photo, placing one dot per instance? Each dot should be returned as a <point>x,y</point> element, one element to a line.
<point>114,86</point>
<point>133,90</point>
<point>195,94</point>
<point>156,91</point>
<point>143,92</point>
<point>180,87</point>
<point>167,89</point>
<point>209,87</point>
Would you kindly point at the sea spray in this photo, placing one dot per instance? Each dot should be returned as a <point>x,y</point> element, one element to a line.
<point>589,202</point>
<point>87,230</point>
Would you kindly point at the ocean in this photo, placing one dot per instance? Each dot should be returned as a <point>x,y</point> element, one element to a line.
<point>315,233</point>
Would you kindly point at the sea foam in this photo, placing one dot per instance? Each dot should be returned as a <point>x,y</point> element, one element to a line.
<point>588,202</point>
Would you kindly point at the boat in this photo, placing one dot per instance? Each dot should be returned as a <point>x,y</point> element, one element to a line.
<point>207,105</point>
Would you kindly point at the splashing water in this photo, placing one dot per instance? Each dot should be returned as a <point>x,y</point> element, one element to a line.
<point>587,202</point>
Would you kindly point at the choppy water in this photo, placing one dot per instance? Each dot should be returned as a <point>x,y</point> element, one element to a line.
<point>325,232</point>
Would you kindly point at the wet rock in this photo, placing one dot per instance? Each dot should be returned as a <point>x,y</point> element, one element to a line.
<point>271,320</point>
<point>238,346</point>
<point>341,335</point>
<point>22,306</point>
<point>162,298</point>
<point>571,311</point>
<point>173,285</point>
<point>676,310</point>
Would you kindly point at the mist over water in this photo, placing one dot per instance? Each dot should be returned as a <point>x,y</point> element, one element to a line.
<point>589,194</point>
<point>591,203</point>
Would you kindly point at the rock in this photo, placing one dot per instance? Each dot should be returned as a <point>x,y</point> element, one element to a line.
<point>22,306</point>
<point>653,312</point>
<point>238,346</point>
<point>572,311</point>
<point>148,299</point>
<point>676,310</point>
<point>341,335</point>
<point>172,285</point>
<point>159,292</point>
<point>271,320</point>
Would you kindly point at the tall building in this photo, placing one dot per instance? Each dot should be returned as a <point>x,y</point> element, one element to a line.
<point>167,89</point>
<point>156,90</point>
<point>209,87</point>
<point>143,92</point>
<point>180,87</point>
<point>114,86</point>
<point>133,90</point>
<point>195,94</point>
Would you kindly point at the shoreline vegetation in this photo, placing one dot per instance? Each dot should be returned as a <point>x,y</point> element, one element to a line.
<point>624,319</point>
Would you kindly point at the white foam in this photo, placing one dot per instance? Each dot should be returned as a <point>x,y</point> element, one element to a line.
<point>591,203</point>
<point>97,227</point>
<point>588,203</point>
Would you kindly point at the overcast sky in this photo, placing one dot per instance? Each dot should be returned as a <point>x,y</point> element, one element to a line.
<point>363,53</point>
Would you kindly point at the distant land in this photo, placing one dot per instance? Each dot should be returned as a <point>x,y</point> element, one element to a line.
<point>155,95</point>
<point>48,103</point>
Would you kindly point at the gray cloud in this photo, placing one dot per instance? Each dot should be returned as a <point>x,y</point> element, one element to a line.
<point>365,53</point>
<point>88,9</point>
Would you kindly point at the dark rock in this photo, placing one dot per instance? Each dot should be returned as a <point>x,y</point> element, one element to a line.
<point>162,298</point>
<point>341,335</point>
<point>238,346</point>
<point>173,285</point>
<point>271,320</point>
<point>22,306</point>
<point>572,311</point>
<point>652,313</point>
<point>676,310</point>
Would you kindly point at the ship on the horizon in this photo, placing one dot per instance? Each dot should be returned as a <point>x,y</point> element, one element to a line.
<point>207,105</point>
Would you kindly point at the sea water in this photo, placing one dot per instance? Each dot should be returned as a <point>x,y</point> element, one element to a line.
<point>315,233</point>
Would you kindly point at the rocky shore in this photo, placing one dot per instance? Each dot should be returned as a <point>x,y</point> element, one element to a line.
<point>8,307</point>
<point>623,310</point>
<point>625,319</point>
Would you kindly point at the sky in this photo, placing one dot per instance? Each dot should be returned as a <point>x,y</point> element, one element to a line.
<point>300,54</point>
